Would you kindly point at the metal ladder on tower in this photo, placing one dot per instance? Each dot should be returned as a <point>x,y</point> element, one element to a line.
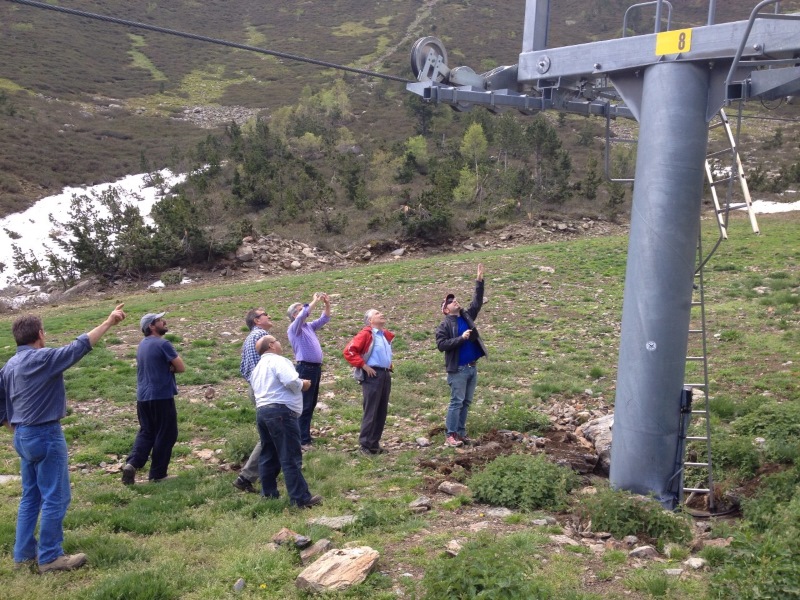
<point>697,330</point>
<point>698,342</point>
<point>727,177</point>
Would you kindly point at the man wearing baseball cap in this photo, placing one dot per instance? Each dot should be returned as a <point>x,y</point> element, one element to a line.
<point>462,345</point>
<point>156,365</point>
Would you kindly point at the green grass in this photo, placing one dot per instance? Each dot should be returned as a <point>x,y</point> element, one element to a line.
<point>198,525</point>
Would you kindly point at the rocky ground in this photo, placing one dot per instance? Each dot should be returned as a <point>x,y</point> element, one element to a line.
<point>579,437</point>
<point>274,255</point>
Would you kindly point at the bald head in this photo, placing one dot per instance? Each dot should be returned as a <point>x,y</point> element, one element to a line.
<point>268,343</point>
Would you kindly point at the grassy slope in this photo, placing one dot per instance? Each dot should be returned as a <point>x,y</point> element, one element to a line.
<point>193,537</point>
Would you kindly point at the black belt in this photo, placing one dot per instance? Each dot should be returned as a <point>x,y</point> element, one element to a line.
<point>380,368</point>
<point>310,364</point>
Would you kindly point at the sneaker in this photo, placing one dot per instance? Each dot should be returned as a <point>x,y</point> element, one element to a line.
<point>128,474</point>
<point>244,485</point>
<point>313,501</point>
<point>467,441</point>
<point>65,562</point>
<point>306,447</point>
<point>453,441</point>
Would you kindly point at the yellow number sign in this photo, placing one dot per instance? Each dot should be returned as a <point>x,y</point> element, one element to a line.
<point>674,42</point>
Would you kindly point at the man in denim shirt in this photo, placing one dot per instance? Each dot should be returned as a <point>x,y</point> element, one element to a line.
<point>259,323</point>
<point>32,382</point>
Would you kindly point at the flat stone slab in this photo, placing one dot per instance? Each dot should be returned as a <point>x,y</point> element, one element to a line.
<point>338,570</point>
<point>336,523</point>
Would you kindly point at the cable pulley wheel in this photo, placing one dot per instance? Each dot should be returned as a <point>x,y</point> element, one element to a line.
<point>419,54</point>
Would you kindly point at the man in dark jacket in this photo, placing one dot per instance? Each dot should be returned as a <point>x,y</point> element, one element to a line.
<point>458,338</point>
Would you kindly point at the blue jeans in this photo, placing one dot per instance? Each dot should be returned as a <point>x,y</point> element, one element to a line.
<point>462,389</point>
<point>45,487</point>
<point>313,373</point>
<point>280,451</point>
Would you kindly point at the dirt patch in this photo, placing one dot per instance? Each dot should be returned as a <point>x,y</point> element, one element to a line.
<point>561,447</point>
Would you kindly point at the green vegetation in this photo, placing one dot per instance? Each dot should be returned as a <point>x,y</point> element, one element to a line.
<point>489,568</point>
<point>524,481</point>
<point>621,514</point>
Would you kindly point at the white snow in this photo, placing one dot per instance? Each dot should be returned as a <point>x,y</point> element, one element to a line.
<point>34,227</point>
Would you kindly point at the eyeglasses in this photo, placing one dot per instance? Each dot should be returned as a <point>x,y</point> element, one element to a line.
<point>262,315</point>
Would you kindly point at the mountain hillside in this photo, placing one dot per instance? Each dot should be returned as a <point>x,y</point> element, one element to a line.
<point>84,101</point>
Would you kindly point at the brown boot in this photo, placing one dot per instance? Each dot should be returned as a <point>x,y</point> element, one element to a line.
<point>65,562</point>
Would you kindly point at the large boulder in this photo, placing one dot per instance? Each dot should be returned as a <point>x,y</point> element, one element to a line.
<point>598,431</point>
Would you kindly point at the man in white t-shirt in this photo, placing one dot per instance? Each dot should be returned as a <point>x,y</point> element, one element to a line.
<point>279,402</point>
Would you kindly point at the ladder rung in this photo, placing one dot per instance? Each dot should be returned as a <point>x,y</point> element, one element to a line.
<point>715,125</point>
<point>719,152</point>
<point>695,358</point>
<point>734,207</point>
<point>696,385</point>
<point>695,464</point>
<point>697,490</point>
<point>697,303</point>
<point>695,331</point>
<point>719,181</point>
<point>697,438</point>
<point>700,412</point>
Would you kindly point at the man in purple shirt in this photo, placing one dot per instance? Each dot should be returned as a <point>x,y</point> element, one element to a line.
<point>308,356</point>
<point>32,383</point>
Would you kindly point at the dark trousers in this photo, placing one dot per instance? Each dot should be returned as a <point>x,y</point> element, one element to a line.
<point>313,373</point>
<point>376,406</point>
<point>280,451</point>
<point>158,432</point>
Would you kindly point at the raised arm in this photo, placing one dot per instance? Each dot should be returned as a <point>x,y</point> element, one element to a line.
<point>115,317</point>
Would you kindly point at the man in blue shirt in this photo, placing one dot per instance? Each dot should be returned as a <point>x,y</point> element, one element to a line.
<point>32,383</point>
<point>462,345</point>
<point>156,365</point>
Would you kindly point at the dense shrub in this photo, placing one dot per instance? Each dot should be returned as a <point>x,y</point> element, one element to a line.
<point>492,569</point>
<point>621,513</point>
<point>173,277</point>
<point>524,481</point>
